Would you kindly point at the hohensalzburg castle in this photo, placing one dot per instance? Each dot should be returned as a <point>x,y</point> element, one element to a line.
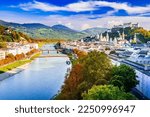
<point>120,35</point>
<point>126,25</point>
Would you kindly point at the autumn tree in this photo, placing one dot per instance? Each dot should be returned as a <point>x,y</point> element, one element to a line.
<point>69,90</point>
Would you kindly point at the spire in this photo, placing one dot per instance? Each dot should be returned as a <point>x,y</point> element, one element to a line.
<point>107,37</point>
<point>101,37</point>
<point>123,35</point>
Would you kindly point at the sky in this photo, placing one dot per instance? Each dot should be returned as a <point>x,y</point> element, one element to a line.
<point>77,14</point>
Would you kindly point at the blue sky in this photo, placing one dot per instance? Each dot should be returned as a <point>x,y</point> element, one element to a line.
<point>77,14</point>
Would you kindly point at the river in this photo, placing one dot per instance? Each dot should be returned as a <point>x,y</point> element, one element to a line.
<point>41,80</point>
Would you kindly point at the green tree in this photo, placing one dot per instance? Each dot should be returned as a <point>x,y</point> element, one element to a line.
<point>3,45</point>
<point>96,66</point>
<point>91,69</point>
<point>107,92</point>
<point>123,76</point>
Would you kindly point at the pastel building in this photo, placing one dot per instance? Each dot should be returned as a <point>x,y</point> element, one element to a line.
<point>2,54</point>
<point>34,45</point>
<point>11,51</point>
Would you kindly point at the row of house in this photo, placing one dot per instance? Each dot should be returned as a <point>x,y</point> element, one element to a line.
<point>16,48</point>
<point>2,54</point>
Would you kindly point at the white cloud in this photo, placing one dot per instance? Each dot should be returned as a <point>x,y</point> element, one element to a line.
<point>77,22</point>
<point>80,22</point>
<point>39,5</point>
<point>74,7</point>
<point>69,24</point>
<point>112,22</point>
<point>81,6</point>
<point>85,26</point>
<point>85,6</point>
<point>124,6</point>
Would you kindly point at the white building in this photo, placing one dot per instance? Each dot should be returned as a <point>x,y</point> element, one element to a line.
<point>2,54</point>
<point>34,45</point>
<point>125,25</point>
<point>16,48</point>
<point>141,57</point>
<point>11,51</point>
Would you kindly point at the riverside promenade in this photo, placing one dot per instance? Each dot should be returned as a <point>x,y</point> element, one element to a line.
<point>13,71</point>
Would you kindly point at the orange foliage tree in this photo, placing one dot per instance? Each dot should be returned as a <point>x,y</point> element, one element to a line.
<point>79,53</point>
<point>71,83</point>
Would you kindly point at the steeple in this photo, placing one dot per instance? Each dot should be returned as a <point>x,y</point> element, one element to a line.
<point>107,37</point>
<point>101,37</point>
<point>123,35</point>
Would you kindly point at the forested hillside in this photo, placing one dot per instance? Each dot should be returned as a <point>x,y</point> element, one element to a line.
<point>10,35</point>
<point>40,31</point>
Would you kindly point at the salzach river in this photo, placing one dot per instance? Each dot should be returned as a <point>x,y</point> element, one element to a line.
<point>41,80</point>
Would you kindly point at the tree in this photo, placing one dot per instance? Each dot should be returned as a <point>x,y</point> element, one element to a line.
<point>90,69</point>
<point>117,81</point>
<point>123,76</point>
<point>70,89</point>
<point>3,45</point>
<point>96,66</point>
<point>107,92</point>
<point>79,53</point>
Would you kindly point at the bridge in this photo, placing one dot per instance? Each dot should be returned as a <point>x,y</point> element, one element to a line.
<point>49,56</point>
<point>46,50</point>
<point>49,50</point>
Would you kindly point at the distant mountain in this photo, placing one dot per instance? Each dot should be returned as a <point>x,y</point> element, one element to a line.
<point>62,27</point>
<point>94,31</point>
<point>37,30</point>
<point>7,24</point>
<point>41,31</point>
<point>35,25</point>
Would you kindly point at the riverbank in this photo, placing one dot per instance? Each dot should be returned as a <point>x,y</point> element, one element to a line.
<point>16,67</point>
<point>47,75</point>
<point>13,71</point>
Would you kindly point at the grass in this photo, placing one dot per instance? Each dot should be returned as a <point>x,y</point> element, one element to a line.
<point>41,44</point>
<point>35,56</point>
<point>13,65</point>
<point>17,64</point>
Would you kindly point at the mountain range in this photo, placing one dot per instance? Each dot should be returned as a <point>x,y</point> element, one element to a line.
<point>41,31</point>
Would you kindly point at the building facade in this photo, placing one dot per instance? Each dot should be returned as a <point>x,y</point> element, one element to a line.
<point>2,54</point>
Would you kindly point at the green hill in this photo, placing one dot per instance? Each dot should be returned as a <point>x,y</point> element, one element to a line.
<point>94,31</point>
<point>40,31</point>
<point>10,35</point>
